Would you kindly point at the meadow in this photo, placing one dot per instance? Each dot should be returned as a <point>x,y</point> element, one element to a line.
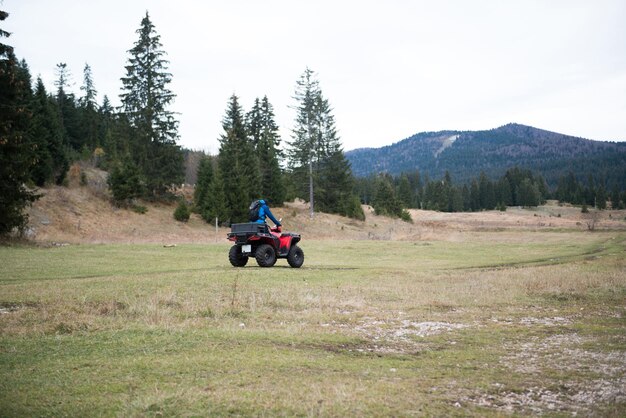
<point>521,322</point>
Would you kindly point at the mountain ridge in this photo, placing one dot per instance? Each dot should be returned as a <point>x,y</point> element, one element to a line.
<point>494,151</point>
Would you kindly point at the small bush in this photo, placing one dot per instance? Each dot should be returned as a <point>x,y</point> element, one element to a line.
<point>182,212</point>
<point>406,216</point>
<point>139,209</point>
<point>584,209</point>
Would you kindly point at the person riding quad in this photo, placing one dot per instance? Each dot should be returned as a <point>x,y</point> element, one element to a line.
<point>263,212</point>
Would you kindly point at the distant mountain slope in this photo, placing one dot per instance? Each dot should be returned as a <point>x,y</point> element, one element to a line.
<point>466,154</point>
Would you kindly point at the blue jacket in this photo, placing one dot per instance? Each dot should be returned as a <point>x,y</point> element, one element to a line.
<point>264,211</point>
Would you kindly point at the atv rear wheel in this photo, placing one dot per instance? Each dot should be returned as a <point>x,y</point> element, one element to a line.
<point>295,258</point>
<point>265,255</point>
<point>236,258</point>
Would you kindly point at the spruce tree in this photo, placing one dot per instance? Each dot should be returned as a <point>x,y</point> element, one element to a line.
<point>106,127</point>
<point>15,148</point>
<point>213,205</point>
<point>238,163</point>
<point>487,196</point>
<point>68,112</point>
<point>615,200</point>
<point>263,134</point>
<point>386,201</point>
<point>205,176</point>
<point>50,153</point>
<point>404,191</point>
<point>316,148</point>
<point>145,101</point>
<point>126,182</point>
<point>89,111</point>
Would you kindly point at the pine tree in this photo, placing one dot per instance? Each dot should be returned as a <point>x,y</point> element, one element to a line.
<point>601,196</point>
<point>126,182</point>
<point>316,147</point>
<point>50,153</point>
<point>615,200</point>
<point>386,201</point>
<point>504,196</point>
<point>106,127</point>
<point>474,196</point>
<point>263,134</point>
<point>205,176</point>
<point>182,212</point>
<point>89,111</point>
<point>306,135</point>
<point>487,197</point>
<point>238,163</point>
<point>68,113</point>
<point>145,101</point>
<point>15,148</point>
<point>404,191</point>
<point>528,193</point>
<point>213,205</point>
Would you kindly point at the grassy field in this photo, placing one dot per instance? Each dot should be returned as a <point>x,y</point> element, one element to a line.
<point>505,322</point>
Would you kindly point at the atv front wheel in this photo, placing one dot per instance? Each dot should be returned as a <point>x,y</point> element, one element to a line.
<point>295,258</point>
<point>236,258</point>
<point>265,255</point>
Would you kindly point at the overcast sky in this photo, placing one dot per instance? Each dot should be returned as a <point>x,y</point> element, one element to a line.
<point>390,69</point>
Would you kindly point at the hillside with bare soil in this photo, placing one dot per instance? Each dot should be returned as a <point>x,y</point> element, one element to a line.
<point>84,214</point>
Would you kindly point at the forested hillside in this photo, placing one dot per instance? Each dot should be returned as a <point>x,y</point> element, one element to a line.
<point>466,154</point>
<point>44,135</point>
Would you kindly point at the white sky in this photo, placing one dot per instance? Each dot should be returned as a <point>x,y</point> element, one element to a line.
<point>390,69</point>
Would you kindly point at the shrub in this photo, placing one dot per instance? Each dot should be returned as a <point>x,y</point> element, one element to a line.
<point>140,209</point>
<point>182,212</point>
<point>406,216</point>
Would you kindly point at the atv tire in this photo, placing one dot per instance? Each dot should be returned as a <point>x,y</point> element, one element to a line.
<point>295,258</point>
<point>265,255</point>
<point>236,258</point>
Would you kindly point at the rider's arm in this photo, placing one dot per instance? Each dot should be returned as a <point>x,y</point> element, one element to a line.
<point>268,212</point>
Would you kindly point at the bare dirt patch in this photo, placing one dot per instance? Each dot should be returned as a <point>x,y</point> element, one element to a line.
<point>566,355</point>
<point>393,336</point>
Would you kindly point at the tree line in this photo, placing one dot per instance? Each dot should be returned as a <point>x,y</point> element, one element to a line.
<point>44,132</point>
<point>392,195</point>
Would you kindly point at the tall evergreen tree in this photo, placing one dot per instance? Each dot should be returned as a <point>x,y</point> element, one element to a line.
<point>404,191</point>
<point>50,153</point>
<point>106,127</point>
<point>316,147</point>
<point>68,113</point>
<point>487,196</point>
<point>385,200</point>
<point>263,134</point>
<point>205,176</point>
<point>213,205</point>
<point>89,111</point>
<point>145,101</point>
<point>615,200</point>
<point>306,136</point>
<point>238,163</point>
<point>15,148</point>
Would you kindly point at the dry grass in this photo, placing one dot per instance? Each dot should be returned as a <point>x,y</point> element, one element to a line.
<point>457,314</point>
<point>84,214</point>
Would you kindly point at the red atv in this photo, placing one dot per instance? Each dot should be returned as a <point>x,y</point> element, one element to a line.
<point>265,244</point>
